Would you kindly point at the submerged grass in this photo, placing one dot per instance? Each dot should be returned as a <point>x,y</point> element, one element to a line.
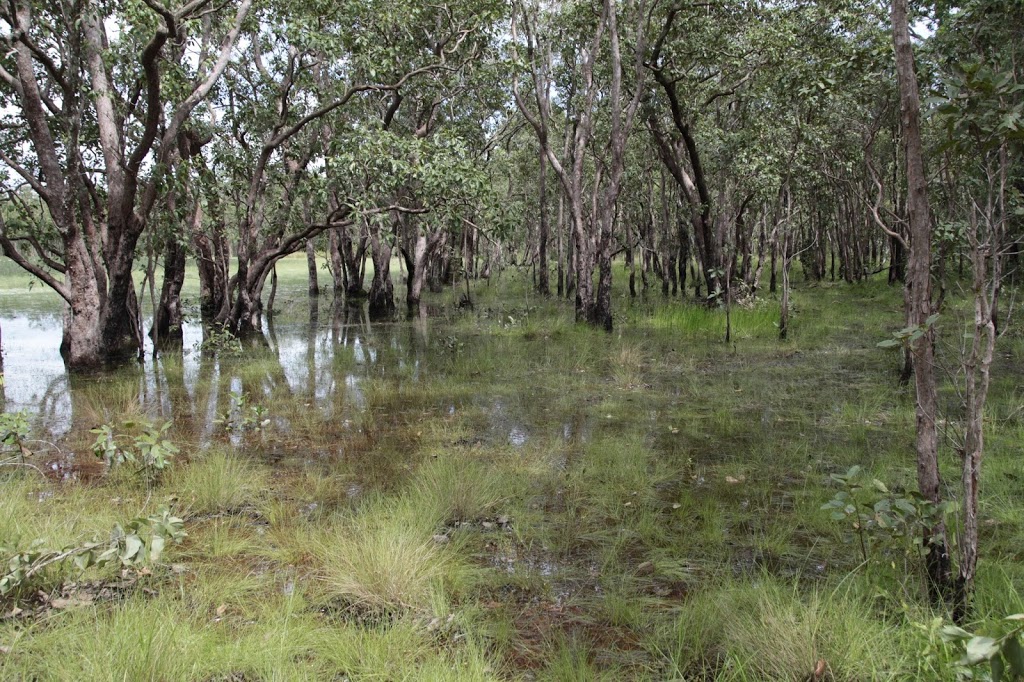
<point>501,494</point>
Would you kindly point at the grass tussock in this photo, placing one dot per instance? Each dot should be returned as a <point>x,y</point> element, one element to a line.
<point>768,630</point>
<point>218,481</point>
<point>385,559</point>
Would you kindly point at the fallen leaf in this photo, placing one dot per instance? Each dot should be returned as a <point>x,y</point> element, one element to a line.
<point>221,610</point>
<point>819,669</point>
<point>676,505</point>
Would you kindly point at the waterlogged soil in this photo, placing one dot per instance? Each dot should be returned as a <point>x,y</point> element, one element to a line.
<point>637,469</point>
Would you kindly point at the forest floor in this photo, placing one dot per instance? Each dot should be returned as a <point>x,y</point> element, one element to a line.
<point>498,493</point>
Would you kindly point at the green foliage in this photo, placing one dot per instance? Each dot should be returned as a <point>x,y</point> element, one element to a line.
<point>908,336</point>
<point>242,416</point>
<point>150,452</point>
<point>221,342</point>
<point>140,542</point>
<point>1003,653</point>
<point>14,431</point>
<point>881,518</point>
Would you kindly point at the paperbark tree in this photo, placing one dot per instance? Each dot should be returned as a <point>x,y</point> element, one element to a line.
<point>63,73</point>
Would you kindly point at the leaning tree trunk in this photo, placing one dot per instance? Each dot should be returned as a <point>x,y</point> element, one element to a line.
<point>920,309</point>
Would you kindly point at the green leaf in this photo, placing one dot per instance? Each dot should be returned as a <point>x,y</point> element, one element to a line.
<point>1014,654</point>
<point>953,633</point>
<point>83,560</point>
<point>132,546</point>
<point>980,649</point>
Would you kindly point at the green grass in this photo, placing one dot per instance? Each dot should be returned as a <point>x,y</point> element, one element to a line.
<point>501,494</point>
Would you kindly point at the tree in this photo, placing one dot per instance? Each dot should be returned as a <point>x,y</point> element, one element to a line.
<point>77,87</point>
<point>594,229</point>
<point>920,309</point>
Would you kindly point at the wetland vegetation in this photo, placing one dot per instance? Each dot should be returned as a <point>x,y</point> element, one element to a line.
<point>499,493</point>
<point>657,340</point>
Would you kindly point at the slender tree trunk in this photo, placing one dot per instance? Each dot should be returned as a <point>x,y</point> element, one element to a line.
<point>339,272</point>
<point>543,287</point>
<point>314,284</point>
<point>919,301</point>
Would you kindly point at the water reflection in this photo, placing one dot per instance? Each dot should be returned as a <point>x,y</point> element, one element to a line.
<point>331,381</point>
<point>324,363</point>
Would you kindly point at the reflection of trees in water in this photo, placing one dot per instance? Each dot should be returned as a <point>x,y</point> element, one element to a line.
<point>56,407</point>
<point>329,366</point>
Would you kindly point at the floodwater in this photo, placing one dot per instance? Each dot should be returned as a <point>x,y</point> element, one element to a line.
<point>317,355</point>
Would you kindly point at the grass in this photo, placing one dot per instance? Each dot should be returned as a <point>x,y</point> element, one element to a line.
<point>218,481</point>
<point>501,494</point>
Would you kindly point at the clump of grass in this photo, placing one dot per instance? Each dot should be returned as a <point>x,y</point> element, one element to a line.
<point>386,560</point>
<point>111,399</point>
<point>767,630</point>
<point>627,366</point>
<point>218,481</point>
<point>139,640</point>
<point>453,488</point>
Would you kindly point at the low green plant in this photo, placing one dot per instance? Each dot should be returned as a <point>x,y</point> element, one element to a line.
<point>1003,654</point>
<point>880,517</point>
<point>241,416</point>
<point>14,431</point>
<point>141,541</point>
<point>908,336</point>
<point>149,451</point>
<point>221,342</point>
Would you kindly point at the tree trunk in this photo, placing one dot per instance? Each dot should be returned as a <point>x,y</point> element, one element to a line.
<point>382,291</point>
<point>314,284</point>
<point>919,302</point>
<point>543,288</point>
<point>167,318</point>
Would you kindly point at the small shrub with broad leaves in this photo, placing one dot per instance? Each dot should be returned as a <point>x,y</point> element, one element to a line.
<point>150,452</point>
<point>1004,654</point>
<point>14,432</point>
<point>243,416</point>
<point>880,517</point>
<point>140,542</point>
